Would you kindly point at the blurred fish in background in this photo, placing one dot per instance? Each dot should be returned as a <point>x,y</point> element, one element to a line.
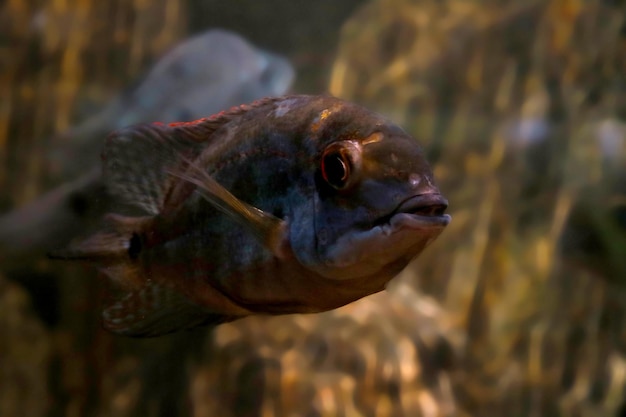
<point>594,235</point>
<point>517,309</point>
<point>201,76</point>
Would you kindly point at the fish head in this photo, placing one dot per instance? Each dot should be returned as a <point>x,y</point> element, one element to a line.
<point>375,206</point>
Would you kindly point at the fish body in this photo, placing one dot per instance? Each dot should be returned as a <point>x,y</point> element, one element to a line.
<point>297,204</point>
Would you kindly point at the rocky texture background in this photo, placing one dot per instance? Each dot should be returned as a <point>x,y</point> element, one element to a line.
<point>517,309</point>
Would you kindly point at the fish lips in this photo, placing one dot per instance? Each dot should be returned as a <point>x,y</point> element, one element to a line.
<point>420,211</point>
<point>403,234</point>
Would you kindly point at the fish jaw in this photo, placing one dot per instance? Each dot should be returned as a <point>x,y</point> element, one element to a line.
<point>394,241</point>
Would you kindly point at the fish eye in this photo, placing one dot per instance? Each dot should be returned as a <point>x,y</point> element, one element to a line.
<point>338,165</point>
<point>335,169</point>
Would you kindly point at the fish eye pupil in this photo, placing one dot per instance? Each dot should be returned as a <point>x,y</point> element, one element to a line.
<point>335,169</point>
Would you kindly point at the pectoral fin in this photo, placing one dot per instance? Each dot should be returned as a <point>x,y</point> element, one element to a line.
<point>269,229</point>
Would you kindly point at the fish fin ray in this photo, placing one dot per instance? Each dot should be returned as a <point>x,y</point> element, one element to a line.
<point>155,310</point>
<point>269,229</point>
<point>136,158</point>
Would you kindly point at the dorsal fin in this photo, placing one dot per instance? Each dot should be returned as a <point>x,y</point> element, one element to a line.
<point>137,159</point>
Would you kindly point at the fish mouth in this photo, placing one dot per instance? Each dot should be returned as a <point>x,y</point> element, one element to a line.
<point>394,239</point>
<point>420,210</point>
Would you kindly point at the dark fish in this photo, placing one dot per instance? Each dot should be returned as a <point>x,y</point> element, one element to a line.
<point>298,204</point>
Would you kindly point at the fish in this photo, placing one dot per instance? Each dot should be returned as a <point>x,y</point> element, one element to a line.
<point>201,75</point>
<point>296,204</point>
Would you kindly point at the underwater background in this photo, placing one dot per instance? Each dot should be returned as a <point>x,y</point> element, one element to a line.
<point>517,309</point>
